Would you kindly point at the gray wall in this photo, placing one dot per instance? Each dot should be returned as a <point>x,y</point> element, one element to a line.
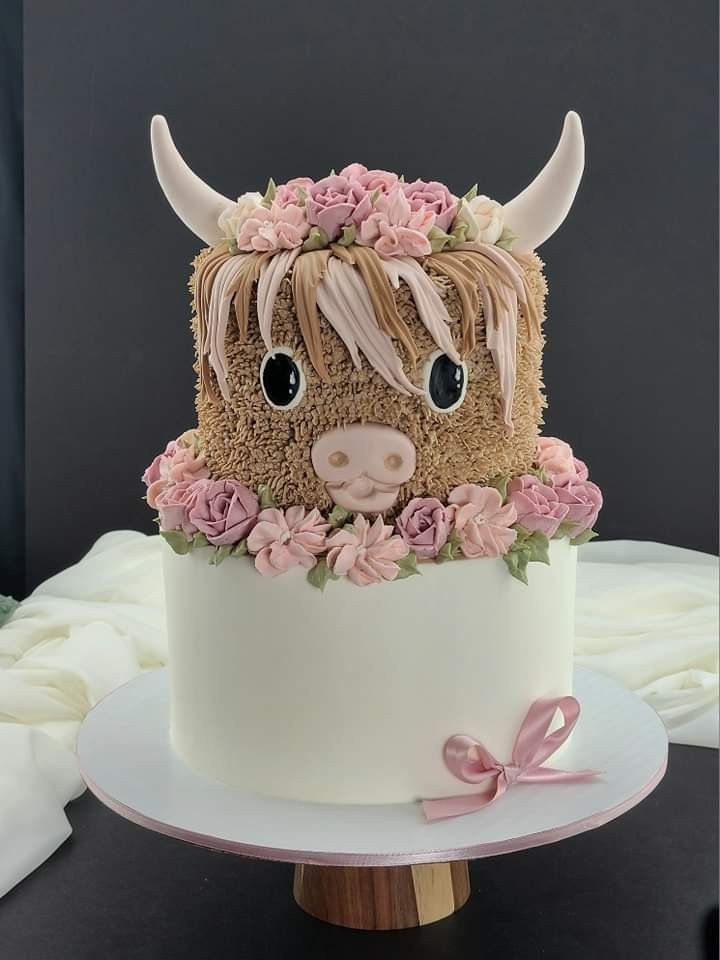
<point>457,91</point>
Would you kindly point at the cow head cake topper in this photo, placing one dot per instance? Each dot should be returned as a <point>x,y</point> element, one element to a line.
<point>363,339</point>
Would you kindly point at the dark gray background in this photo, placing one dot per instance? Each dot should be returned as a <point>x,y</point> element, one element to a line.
<point>457,91</point>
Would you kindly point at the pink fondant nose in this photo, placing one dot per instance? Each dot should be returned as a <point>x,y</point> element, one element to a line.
<point>363,466</point>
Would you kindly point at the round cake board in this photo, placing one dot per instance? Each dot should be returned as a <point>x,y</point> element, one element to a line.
<point>371,866</point>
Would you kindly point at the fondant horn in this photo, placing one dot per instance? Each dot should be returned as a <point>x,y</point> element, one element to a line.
<point>197,204</point>
<point>535,214</point>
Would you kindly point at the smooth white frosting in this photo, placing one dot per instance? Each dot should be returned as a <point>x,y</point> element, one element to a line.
<point>349,695</point>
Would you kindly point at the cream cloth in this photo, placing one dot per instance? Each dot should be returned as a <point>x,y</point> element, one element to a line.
<point>647,615</point>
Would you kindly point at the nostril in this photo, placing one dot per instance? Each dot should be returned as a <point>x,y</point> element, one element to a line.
<point>338,459</point>
<point>393,461</point>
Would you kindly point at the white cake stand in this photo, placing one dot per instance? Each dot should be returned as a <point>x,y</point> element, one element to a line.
<point>368,866</point>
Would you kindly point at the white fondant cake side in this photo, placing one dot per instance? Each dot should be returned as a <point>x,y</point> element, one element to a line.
<point>349,695</point>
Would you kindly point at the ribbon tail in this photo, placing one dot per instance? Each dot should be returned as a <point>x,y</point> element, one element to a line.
<point>552,775</point>
<point>447,807</point>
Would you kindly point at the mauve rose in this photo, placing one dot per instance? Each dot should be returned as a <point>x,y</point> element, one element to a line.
<point>538,506</point>
<point>174,504</point>
<point>334,202</point>
<point>371,180</point>
<point>424,526</point>
<point>225,511</point>
<point>583,500</point>
<point>434,196</point>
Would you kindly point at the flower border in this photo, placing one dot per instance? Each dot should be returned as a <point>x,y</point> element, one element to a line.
<point>513,518</point>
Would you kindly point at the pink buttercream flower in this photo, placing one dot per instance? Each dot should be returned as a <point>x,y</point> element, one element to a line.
<point>481,520</point>
<point>366,553</point>
<point>394,229</point>
<point>224,510</point>
<point>293,192</point>
<point>537,504</point>
<point>180,461</point>
<point>284,540</point>
<point>273,228</point>
<point>371,180</point>
<point>584,500</point>
<point>424,526</point>
<point>432,196</point>
<point>336,201</point>
<point>174,504</point>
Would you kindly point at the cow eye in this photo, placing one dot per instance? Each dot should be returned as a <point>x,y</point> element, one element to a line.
<point>282,379</point>
<point>445,383</point>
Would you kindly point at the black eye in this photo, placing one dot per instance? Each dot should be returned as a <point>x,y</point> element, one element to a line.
<point>282,380</point>
<point>445,383</point>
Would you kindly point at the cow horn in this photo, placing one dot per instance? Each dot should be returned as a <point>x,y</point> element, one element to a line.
<point>535,214</point>
<point>197,204</point>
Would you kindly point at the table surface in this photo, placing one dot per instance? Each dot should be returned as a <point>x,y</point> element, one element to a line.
<point>641,887</point>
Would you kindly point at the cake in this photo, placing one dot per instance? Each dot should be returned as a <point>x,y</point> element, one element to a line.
<point>369,548</point>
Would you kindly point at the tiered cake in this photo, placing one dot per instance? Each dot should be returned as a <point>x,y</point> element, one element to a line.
<point>370,548</point>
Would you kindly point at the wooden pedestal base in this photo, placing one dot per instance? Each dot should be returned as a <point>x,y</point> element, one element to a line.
<point>382,898</point>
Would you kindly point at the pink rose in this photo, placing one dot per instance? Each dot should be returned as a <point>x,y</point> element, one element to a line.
<point>275,228</point>
<point>293,192</point>
<point>174,504</point>
<point>583,500</point>
<point>180,461</point>
<point>394,229</point>
<point>224,510</point>
<point>482,521</point>
<point>284,540</point>
<point>538,506</point>
<point>366,553</point>
<point>424,526</point>
<point>371,180</point>
<point>336,201</point>
<point>432,196</point>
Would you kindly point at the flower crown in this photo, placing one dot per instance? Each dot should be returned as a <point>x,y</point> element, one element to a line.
<point>373,208</point>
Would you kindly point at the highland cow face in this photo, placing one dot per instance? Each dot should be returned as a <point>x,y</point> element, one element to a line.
<point>362,340</point>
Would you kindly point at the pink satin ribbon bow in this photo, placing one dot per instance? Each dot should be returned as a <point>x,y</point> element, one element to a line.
<point>470,762</point>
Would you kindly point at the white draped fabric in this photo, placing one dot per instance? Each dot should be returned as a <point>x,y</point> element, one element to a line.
<point>647,615</point>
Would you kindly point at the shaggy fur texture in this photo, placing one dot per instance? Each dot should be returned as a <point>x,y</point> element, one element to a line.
<point>247,440</point>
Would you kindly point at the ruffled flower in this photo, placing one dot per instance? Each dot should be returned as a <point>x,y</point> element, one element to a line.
<point>366,553</point>
<point>432,196</point>
<point>481,520</point>
<point>556,458</point>
<point>224,510</point>
<point>281,540</point>
<point>295,191</point>
<point>233,217</point>
<point>335,202</point>
<point>181,460</point>
<point>393,229</point>
<point>174,504</point>
<point>273,228</point>
<point>424,525</point>
<point>583,500</point>
<point>538,505</point>
<point>371,180</point>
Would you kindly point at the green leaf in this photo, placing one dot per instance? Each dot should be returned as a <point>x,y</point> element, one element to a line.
<point>582,538</point>
<point>537,545</point>
<point>233,248</point>
<point>267,500</point>
<point>301,194</point>
<point>451,549</point>
<point>348,235</point>
<point>565,530</point>
<point>455,539</point>
<point>317,239</point>
<point>270,192</point>
<point>337,516</point>
<point>516,562</point>
<point>240,549</point>
<point>501,485</point>
<point>471,194</point>
<point>177,540</point>
<point>200,540</point>
<point>541,475</point>
<point>507,238</point>
<point>438,239</point>
<point>408,566</point>
<point>319,575</point>
<point>219,554</point>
